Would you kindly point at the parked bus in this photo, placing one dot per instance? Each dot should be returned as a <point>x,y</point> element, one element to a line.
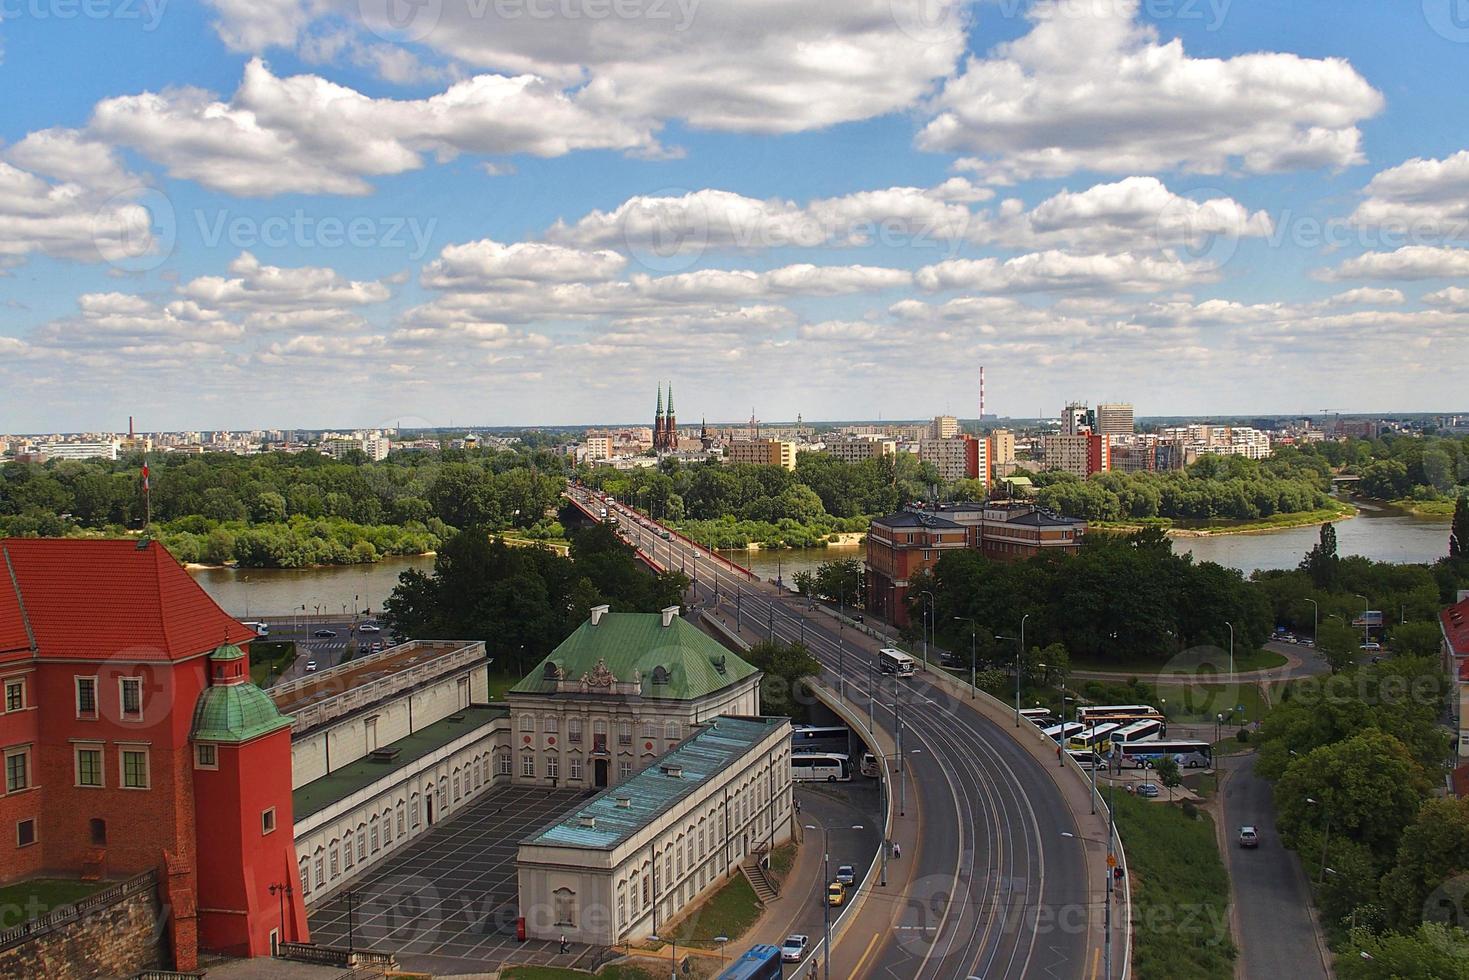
<point>891,661</point>
<point>1094,714</point>
<point>826,767</point>
<point>1097,738</point>
<point>1063,731</point>
<point>806,739</point>
<point>759,963</point>
<point>1188,754</point>
<point>1141,731</point>
<point>1038,716</point>
<point>261,629</point>
<point>869,764</point>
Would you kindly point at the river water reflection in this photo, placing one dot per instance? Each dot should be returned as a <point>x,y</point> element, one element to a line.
<point>1383,534</point>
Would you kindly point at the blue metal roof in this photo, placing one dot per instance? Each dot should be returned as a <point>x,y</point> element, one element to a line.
<point>650,793</point>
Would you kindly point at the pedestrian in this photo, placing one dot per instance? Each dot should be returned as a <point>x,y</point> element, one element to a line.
<point>798,807</point>
<point>897,850</point>
<point>564,944</point>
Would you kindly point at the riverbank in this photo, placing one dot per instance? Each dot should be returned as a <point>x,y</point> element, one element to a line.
<point>1421,508</point>
<point>234,566</point>
<point>848,539</point>
<point>1277,522</point>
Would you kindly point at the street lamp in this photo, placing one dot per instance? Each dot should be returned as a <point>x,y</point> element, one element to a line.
<point>973,655</point>
<point>1107,918</point>
<point>826,900</point>
<point>1019,654</point>
<point>927,623</point>
<point>673,968</point>
<point>1366,628</point>
<point>283,892</point>
<point>1231,650</point>
<point>721,940</point>
<point>1315,619</point>
<point>1325,839</point>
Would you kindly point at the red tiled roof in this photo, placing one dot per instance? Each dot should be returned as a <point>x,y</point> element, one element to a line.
<point>1455,622</point>
<point>96,598</point>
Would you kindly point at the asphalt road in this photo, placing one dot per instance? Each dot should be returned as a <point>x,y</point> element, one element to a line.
<point>996,892</point>
<point>1271,900</point>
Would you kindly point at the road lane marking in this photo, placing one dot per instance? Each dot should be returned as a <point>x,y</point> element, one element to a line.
<point>866,954</point>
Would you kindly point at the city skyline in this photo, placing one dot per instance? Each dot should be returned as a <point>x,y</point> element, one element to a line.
<point>313,215</point>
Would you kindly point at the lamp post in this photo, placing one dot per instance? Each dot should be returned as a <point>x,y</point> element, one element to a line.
<point>351,897</point>
<point>826,901</point>
<point>973,654</point>
<point>1231,650</point>
<point>927,621</point>
<point>1019,655</point>
<point>282,892</point>
<point>1366,629</point>
<point>1107,918</point>
<point>1325,839</point>
<point>1315,619</point>
<point>673,968</point>
<point>721,940</point>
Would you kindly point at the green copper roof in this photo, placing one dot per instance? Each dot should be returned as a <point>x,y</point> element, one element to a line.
<point>235,713</point>
<point>227,652</point>
<point>651,793</point>
<point>639,643</point>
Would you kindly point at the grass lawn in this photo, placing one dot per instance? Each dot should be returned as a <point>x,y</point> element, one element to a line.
<point>267,659</point>
<point>618,972</point>
<point>730,911</point>
<point>1145,670</point>
<point>1199,703</point>
<point>25,900</point>
<point>1180,893</point>
<point>782,859</point>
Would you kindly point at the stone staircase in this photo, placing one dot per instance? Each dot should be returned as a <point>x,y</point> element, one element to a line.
<point>759,879</point>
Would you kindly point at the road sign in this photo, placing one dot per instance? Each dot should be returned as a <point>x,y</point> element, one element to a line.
<point>1111,860</point>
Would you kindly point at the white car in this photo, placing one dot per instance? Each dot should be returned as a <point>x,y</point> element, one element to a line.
<point>370,628</point>
<point>847,874</point>
<point>794,948</point>
<point>310,666</point>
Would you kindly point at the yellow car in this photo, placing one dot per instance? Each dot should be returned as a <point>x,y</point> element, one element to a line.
<point>836,893</point>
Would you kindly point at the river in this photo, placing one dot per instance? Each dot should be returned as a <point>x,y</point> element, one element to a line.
<point>1383,534</point>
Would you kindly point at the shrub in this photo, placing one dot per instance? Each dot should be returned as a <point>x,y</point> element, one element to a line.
<point>1243,735</point>
<point>1189,810</point>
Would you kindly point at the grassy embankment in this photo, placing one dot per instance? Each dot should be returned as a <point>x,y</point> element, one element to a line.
<point>1275,522</point>
<point>26,900</point>
<point>1180,893</point>
<point>269,660</point>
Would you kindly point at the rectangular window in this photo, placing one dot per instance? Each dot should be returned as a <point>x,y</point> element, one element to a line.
<point>131,698</point>
<point>86,697</point>
<point>624,733</point>
<point>25,833</point>
<point>15,695</point>
<point>134,768</point>
<point>206,756</point>
<point>575,768</point>
<point>528,766</point>
<point>267,821</point>
<point>402,814</point>
<point>553,767</point>
<point>17,770</point>
<point>336,862</point>
<point>320,872</point>
<point>550,725</point>
<point>374,837</point>
<point>624,769</point>
<point>573,729</point>
<point>505,769</point>
<point>527,723</point>
<point>89,767</point>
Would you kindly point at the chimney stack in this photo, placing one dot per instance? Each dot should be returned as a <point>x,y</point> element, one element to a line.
<point>598,612</point>
<point>668,616</point>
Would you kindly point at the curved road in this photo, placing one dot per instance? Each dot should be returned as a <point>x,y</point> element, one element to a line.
<point>994,890</point>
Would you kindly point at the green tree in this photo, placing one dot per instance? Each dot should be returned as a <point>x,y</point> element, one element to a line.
<point>1169,774</point>
<point>787,667</point>
<point>1459,529</point>
<point>1434,849</point>
<point>1338,644</point>
<point>1430,952</point>
<point>268,507</point>
<point>1322,562</point>
<point>1367,787</point>
<point>1420,639</point>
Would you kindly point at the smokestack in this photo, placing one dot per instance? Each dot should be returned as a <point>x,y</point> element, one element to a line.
<point>130,427</point>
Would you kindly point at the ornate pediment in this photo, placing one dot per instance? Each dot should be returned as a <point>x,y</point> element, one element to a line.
<point>599,676</point>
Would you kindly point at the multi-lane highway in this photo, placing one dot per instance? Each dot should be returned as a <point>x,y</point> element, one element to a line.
<point>989,886</point>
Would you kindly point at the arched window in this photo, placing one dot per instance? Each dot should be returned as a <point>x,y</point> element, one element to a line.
<point>347,852</point>
<point>362,842</point>
<point>387,828</point>
<point>413,812</point>
<point>402,818</point>
<point>527,723</point>
<point>372,833</point>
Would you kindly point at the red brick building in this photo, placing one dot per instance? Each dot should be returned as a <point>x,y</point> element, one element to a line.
<point>901,545</point>
<point>133,739</point>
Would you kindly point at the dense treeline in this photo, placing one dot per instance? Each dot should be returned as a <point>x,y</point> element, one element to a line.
<point>1409,468</point>
<point>286,510</point>
<point>1214,488</point>
<point>524,600</point>
<point>1120,598</point>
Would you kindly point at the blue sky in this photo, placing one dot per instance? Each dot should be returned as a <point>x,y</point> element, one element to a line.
<point>295,212</point>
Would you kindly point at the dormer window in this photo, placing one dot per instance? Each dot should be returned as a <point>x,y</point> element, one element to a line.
<point>660,675</point>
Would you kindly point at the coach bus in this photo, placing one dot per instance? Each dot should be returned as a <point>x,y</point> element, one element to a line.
<point>1037,716</point>
<point>828,767</point>
<point>1063,731</point>
<point>758,963</point>
<point>1097,738</point>
<point>1095,714</point>
<point>1188,754</point>
<point>891,661</point>
<point>1141,731</point>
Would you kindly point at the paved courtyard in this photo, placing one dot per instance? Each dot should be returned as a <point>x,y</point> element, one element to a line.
<point>448,900</point>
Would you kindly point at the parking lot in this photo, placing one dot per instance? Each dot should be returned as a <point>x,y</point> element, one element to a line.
<point>447,902</point>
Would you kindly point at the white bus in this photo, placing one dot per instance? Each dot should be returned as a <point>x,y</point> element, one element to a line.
<point>1189,754</point>
<point>891,661</point>
<point>1037,716</point>
<point>1140,731</point>
<point>1063,731</point>
<point>869,764</point>
<point>1097,738</point>
<point>261,629</point>
<point>1095,714</point>
<point>827,767</point>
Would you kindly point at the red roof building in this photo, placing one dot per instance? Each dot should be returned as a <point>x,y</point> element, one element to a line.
<point>1453,621</point>
<point>129,724</point>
